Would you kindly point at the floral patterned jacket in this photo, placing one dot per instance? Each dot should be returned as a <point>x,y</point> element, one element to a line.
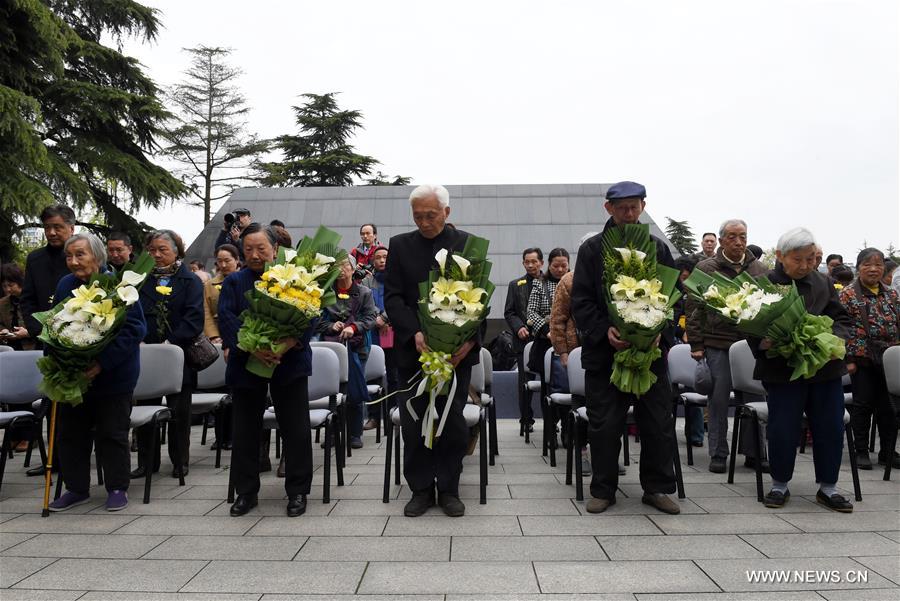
<point>876,320</point>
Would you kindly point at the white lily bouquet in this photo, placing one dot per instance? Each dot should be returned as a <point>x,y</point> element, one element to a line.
<point>452,304</point>
<point>640,297</point>
<point>759,308</point>
<point>289,295</point>
<point>77,329</point>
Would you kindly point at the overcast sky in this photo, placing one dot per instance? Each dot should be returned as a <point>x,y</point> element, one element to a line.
<point>781,112</point>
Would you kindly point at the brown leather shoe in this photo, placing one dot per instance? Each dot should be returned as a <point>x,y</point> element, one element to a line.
<point>595,505</point>
<point>661,502</point>
<point>370,424</point>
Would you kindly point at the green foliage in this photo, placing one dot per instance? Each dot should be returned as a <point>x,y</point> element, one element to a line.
<point>77,119</point>
<point>206,136</point>
<point>380,179</point>
<point>680,235</point>
<point>321,155</point>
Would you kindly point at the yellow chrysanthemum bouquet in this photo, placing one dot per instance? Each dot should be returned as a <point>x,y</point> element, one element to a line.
<point>289,295</point>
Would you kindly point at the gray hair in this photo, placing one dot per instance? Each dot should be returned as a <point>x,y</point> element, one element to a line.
<point>729,223</point>
<point>98,248</point>
<point>426,190</point>
<point>799,237</point>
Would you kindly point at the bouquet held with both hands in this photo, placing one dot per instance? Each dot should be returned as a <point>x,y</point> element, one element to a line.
<point>759,308</point>
<point>289,295</point>
<point>640,295</point>
<point>77,329</point>
<point>453,302</point>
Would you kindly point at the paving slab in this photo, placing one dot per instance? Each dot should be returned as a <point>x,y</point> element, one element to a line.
<point>869,502</point>
<point>318,526</point>
<point>813,573</point>
<point>376,548</point>
<point>526,548</point>
<point>721,524</point>
<point>621,576</point>
<point>894,535</point>
<point>355,492</point>
<point>177,506</point>
<point>440,525</point>
<point>142,596</point>
<point>587,525</point>
<point>15,569</point>
<point>276,597</point>
<point>194,525</point>
<point>829,544</point>
<point>228,547</point>
<point>881,594</point>
<point>276,508</point>
<point>5,517</point>
<point>86,546</point>
<point>11,539</point>
<point>864,521</point>
<point>695,546</point>
<point>756,596</point>
<point>454,577</point>
<point>114,575</point>
<point>11,594</point>
<point>319,577</point>
<point>542,491</point>
<point>730,505</point>
<point>36,505</point>
<point>466,492</point>
<point>694,490</point>
<point>545,597</point>
<point>60,523</point>
<point>634,506</point>
<point>887,566</point>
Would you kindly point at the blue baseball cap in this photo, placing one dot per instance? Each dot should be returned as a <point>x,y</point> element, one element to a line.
<point>622,190</point>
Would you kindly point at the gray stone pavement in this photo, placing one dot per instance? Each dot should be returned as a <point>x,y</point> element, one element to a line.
<point>531,541</point>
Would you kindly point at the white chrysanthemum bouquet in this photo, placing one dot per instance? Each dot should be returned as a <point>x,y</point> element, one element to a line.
<point>640,297</point>
<point>77,329</point>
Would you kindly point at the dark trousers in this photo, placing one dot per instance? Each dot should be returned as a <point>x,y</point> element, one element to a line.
<point>526,412</point>
<point>870,395</point>
<point>607,408</point>
<point>823,403</point>
<point>292,409</point>
<point>357,394</point>
<point>110,418</point>
<point>180,404</point>
<point>443,463</point>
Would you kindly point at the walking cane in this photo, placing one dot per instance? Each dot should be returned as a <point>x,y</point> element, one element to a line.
<point>49,467</point>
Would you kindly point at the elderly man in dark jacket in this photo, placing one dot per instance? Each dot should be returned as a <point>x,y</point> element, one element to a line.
<point>410,261</point>
<point>515,314</point>
<point>711,336</point>
<point>607,406</point>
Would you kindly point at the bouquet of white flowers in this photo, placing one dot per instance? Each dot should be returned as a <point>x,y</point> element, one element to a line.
<point>291,293</point>
<point>759,308</point>
<point>77,329</point>
<point>452,304</point>
<point>640,297</point>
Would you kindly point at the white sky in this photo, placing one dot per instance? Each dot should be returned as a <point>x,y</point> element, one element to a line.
<point>782,113</point>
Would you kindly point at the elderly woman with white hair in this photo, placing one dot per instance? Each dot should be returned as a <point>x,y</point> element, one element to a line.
<point>106,409</point>
<point>820,397</point>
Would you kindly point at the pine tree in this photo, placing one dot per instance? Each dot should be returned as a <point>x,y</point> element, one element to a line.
<point>380,179</point>
<point>77,118</point>
<point>680,235</point>
<point>207,136</point>
<point>321,155</point>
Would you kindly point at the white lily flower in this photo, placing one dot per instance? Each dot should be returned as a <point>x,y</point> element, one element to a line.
<point>290,254</point>
<point>128,294</point>
<point>131,278</point>
<point>463,264</point>
<point>441,258</point>
<point>323,259</point>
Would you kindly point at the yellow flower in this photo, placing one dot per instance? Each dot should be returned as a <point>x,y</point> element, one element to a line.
<point>104,313</point>
<point>286,274</point>
<point>343,296</point>
<point>218,286</point>
<point>444,290</point>
<point>164,290</point>
<point>626,287</point>
<point>521,282</point>
<point>471,299</point>
<point>83,296</point>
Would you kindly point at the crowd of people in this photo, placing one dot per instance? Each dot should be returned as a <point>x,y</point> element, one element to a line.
<point>377,297</point>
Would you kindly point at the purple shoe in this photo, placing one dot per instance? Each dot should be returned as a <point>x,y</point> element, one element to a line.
<point>117,500</point>
<point>68,500</point>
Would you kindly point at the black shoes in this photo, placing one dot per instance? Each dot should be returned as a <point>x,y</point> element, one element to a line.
<point>419,503</point>
<point>245,503</point>
<point>776,499</point>
<point>835,502</point>
<point>717,465</point>
<point>296,506</point>
<point>751,463</point>
<point>863,462</point>
<point>451,505</point>
<point>184,471</point>
<point>138,472</point>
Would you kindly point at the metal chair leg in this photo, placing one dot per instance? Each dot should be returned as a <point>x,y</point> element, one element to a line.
<point>688,422</point>
<point>854,472</point>
<point>676,464</point>
<point>577,444</point>
<point>758,448</point>
<point>735,434</point>
<point>389,442</point>
<point>482,460</point>
<point>148,459</point>
<point>326,477</point>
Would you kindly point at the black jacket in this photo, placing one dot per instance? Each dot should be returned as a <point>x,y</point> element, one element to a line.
<point>820,298</point>
<point>184,307</point>
<point>44,268</point>
<point>410,260</point>
<point>516,308</point>
<point>589,304</point>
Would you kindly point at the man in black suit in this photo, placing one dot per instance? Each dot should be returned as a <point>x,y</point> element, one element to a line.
<point>410,261</point>
<point>515,313</point>
<point>607,406</point>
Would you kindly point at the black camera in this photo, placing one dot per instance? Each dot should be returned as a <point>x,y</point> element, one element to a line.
<point>230,218</point>
<point>362,271</point>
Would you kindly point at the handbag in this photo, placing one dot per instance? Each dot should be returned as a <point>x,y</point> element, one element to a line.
<point>703,381</point>
<point>200,353</point>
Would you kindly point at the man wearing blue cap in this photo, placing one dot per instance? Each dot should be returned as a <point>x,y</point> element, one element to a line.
<point>607,406</point>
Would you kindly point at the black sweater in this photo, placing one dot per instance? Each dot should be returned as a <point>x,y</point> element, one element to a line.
<point>44,268</point>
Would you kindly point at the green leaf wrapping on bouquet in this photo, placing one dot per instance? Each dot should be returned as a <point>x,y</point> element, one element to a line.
<point>632,236</point>
<point>807,346</point>
<point>265,321</point>
<point>62,384</point>
<point>631,370</point>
